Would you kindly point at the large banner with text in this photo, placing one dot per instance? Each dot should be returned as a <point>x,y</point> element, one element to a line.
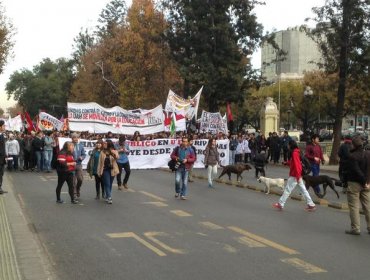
<point>96,119</point>
<point>156,153</point>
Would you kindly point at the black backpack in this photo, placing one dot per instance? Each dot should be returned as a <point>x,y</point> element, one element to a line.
<point>173,164</point>
<point>306,165</point>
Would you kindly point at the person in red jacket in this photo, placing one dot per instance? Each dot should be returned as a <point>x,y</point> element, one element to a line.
<point>65,169</point>
<point>315,156</point>
<point>185,157</point>
<point>295,177</point>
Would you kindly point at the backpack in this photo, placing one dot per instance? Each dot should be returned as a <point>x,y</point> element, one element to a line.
<point>173,164</point>
<point>306,165</point>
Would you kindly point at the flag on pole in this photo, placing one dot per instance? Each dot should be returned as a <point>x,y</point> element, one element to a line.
<point>229,114</point>
<point>28,122</point>
<point>173,124</point>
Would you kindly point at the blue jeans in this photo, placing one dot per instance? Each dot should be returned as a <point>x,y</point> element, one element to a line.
<point>48,156</point>
<point>181,176</point>
<point>315,172</point>
<point>108,182</point>
<point>38,160</point>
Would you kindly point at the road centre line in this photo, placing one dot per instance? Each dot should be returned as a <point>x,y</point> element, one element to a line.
<point>156,203</point>
<point>210,225</point>
<point>151,236</point>
<point>153,196</point>
<point>264,241</point>
<point>139,239</point>
<point>302,265</point>
<point>250,242</point>
<point>181,213</point>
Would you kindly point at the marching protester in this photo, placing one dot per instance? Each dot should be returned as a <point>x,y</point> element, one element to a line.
<point>48,151</point>
<point>123,163</point>
<point>295,177</point>
<point>92,168</point>
<point>108,168</point>
<point>211,159</point>
<point>65,168</point>
<point>358,190</point>
<point>232,147</point>
<point>195,153</point>
<point>284,144</point>
<point>185,157</point>
<point>315,156</point>
<point>239,152</point>
<point>12,152</point>
<point>38,147</point>
<point>2,155</point>
<point>28,152</point>
<point>79,155</point>
<point>20,139</point>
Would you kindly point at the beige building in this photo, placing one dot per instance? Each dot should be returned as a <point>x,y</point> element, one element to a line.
<point>301,52</point>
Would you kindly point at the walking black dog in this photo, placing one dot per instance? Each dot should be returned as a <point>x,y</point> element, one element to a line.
<point>235,168</point>
<point>311,181</point>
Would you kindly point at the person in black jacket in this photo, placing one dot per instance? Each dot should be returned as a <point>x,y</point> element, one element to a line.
<point>344,162</point>
<point>358,191</point>
<point>2,154</point>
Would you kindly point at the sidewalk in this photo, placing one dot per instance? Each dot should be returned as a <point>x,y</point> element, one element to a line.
<point>21,253</point>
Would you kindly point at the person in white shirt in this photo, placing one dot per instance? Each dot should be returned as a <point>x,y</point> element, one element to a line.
<point>12,151</point>
<point>239,152</point>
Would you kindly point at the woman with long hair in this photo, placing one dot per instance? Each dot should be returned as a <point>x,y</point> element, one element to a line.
<point>92,168</point>
<point>211,159</point>
<point>108,168</point>
<point>66,165</point>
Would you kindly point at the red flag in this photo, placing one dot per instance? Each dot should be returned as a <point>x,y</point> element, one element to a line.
<point>28,122</point>
<point>229,114</point>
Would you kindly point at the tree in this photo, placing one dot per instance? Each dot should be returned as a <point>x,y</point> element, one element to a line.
<point>46,87</point>
<point>6,35</point>
<point>83,44</point>
<point>212,42</point>
<point>111,17</point>
<point>132,66</point>
<point>1,112</point>
<point>342,35</point>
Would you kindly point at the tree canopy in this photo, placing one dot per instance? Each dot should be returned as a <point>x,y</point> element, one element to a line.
<point>6,35</point>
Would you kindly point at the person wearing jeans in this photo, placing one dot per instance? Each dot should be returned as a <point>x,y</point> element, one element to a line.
<point>48,151</point>
<point>295,178</point>
<point>108,168</point>
<point>12,152</point>
<point>123,163</point>
<point>211,159</point>
<point>315,156</point>
<point>185,157</point>
<point>79,155</point>
<point>38,148</point>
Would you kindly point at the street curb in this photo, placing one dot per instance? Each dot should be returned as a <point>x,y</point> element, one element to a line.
<point>9,269</point>
<point>278,192</point>
<point>33,261</point>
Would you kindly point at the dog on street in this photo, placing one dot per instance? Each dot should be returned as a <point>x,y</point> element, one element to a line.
<point>311,181</point>
<point>271,182</point>
<point>236,169</point>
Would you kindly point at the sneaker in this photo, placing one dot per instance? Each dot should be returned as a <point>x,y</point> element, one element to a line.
<point>125,186</point>
<point>353,232</point>
<point>310,208</point>
<point>60,201</point>
<point>119,187</point>
<point>211,186</point>
<point>110,200</point>
<point>277,206</point>
<point>74,201</point>
<point>183,197</point>
<point>177,195</point>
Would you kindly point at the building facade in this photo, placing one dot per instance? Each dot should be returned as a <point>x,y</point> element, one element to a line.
<point>302,54</point>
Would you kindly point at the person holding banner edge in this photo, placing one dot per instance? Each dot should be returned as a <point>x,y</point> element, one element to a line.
<point>185,156</point>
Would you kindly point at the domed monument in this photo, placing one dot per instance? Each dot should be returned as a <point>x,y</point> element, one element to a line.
<point>269,117</point>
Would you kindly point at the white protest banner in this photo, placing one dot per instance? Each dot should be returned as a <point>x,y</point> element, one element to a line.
<point>94,118</point>
<point>176,103</point>
<point>48,122</point>
<point>14,124</point>
<point>212,123</point>
<point>180,121</point>
<point>156,153</point>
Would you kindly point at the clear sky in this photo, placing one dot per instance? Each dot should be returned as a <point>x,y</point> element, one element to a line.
<point>46,28</point>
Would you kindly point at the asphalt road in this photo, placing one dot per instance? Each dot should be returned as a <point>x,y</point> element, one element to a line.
<point>221,233</point>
